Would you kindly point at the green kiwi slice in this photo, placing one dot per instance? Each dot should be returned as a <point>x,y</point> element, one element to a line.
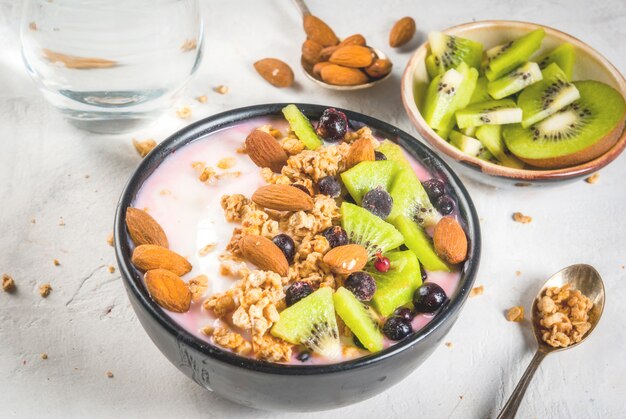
<point>396,287</point>
<point>431,67</point>
<point>518,79</point>
<point>450,51</point>
<point>368,230</point>
<point>311,322</point>
<point>480,92</point>
<point>440,96</point>
<point>301,125</point>
<point>490,136</point>
<point>563,55</point>
<point>466,144</point>
<point>420,243</point>
<point>359,319</point>
<point>496,112</point>
<point>546,97</point>
<point>514,55</point>
<point>578,133</point>
<point>369,175</point>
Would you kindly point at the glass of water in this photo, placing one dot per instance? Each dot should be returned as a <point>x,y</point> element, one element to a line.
<point>111,66</point>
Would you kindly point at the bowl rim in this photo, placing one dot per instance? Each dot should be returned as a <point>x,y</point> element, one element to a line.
<point>492,169</point>
<point>222,120</point>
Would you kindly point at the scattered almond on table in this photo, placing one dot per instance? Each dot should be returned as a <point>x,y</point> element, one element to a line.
<point>402,32</point>
<point>275,72</point>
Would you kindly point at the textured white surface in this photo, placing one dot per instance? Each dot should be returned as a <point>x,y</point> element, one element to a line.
<point>86,326</point>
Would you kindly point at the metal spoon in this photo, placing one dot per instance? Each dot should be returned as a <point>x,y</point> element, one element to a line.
<point>308,70</point>
<point>581,277</point>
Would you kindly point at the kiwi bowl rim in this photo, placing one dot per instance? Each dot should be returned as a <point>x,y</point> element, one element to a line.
<point>492,169</point>
<point>133,279</point>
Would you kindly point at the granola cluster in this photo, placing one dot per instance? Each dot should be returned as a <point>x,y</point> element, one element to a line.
<point>564,316</point>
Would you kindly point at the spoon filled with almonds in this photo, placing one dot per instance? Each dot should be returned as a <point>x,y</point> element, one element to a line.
<point>566,310</point>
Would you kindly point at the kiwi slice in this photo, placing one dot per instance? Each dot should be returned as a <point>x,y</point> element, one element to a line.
<point>368,175</point>
<point>431,67</point>
<point>358,319</point>
<point>480,92</point>
<point>523,76</point>
<point>394,152</point>
<point>301,125</point>
<point>311,322</point>
<point>466,144</point>
<point>450,51</point>
<point>420,243</point>
<point>491,137</point>
<point>447,129</point>
<point>494,52</point>
<point>496,112</point>
<point>546,97</point>
<point>368,230</point>
<point>487,156</point>
<point>396,287</point>
<point>578,133</point>
<point>439,97</point>
<point>514,55</point>
<point>469,131</point>
<point>563,56</point>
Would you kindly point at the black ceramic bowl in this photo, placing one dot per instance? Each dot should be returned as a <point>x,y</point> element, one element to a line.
<point>270,386</point>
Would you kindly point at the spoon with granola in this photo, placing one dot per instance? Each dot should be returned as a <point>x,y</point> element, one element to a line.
<point>566,310</point>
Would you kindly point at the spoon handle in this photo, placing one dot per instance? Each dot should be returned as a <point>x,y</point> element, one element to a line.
<point>304,9</point>
<point>510,408</point>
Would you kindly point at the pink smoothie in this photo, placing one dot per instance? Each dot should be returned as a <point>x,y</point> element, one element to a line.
<point>192,217</point>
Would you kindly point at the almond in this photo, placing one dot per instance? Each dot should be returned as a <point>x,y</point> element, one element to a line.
<point>379,68</point>
<point>265,151</point>
<point>402,32</point>
<point>317,68</point>
<point>356,39</point>
<point>360,150</point>
<point>450,240</point>
<point>274,71</point>
<point>346,259</point>
<point>327,52</point>
<point>282,198</point>
<point>168,290</point>
<point>263,253</point>
<point>150,256</point>
<point>343,76</point>
<point>354,56</point>
<point>317,30</point>
<point>144,229</point>
<point>311,51</point>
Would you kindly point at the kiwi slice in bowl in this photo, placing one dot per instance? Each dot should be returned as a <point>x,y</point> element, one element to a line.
<point>563,56</point>
<point>449,51</point>
<point>513,55</point>
<point>516,80</point>
<point>578,133</point>
<point>495,112</point>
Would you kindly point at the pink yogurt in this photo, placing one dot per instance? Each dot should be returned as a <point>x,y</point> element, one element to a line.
<point>192,217</point>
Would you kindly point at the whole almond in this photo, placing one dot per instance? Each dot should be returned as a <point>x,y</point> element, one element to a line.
<point>168,290</point>
<point>150,256</point>
<point>379,68</point>
<point>402,32</point>
<point>343,76</point>
<point>360,150</point>
<point>263,253</point>
<point>144,229</point>
<point>450,240</point>
<point>264,150</point>
<point>317,30</point>
<point>282,198</point>
<point>311,51</point>
<point>274,71</point>
<point>355,56</point>
<point>346,259</point>
<point>356,39</point>
<point>317,68</point>
<point>327,52</point>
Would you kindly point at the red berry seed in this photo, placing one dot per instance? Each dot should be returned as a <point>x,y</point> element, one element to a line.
<point>382,263</point>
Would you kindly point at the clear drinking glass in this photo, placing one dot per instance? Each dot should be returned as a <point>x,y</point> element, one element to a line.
<point>111,66</point>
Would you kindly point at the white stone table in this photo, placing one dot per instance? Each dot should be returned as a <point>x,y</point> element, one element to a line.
<point>50,171</point>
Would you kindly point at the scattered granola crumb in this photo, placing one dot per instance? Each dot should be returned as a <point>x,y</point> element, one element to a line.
<point>226,163</point>
<point>622,266</point>
<point>8,285</point>
<point>61,222</point>
<point>226,175</point>
<point>202,99</point>
<point>208,175</point>
<point>33,221</point>
<point>461,397</point>
<point>183,112</point>
<point>198,286</point>
<point>207,330</point>
<point>593,178</point>
<point>518,217</point>
<point>56,262</point>
<point>518,273</point>
<point>44,290</point>
<point>188,45</point>
<point>241,150</point>
<point>515,314</point>
<point>476,291</point>
<point>32,26</point>
<point>207,249</point>
<point>221,89</point>
<point>449,344</point>
<point>110,239</point>
<point>165,192</point>
<point>144,147</point>
<point>87,176</point>
<point>110,374</point>
<point>44,356</point>
<point>111,269</point>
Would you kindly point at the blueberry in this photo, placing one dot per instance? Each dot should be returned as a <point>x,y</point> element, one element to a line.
<point>434,188</point>
<point>336,236</point>
<point>286,244</point>
<point>429,298</point>
<point>378,202</point>
<point>379,155</point>
<point>444,204</point>
<point>362,285</point>
<point>303,356</point>
<point>397,328</point>
<point>297,291</point>
<point>330,186</point>
<point>332,125</point>
<point>301,187</point>
<point>358,343</point>
<point>404,313</point>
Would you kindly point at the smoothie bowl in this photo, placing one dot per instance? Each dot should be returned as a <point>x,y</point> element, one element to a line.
<point>294,257</point>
